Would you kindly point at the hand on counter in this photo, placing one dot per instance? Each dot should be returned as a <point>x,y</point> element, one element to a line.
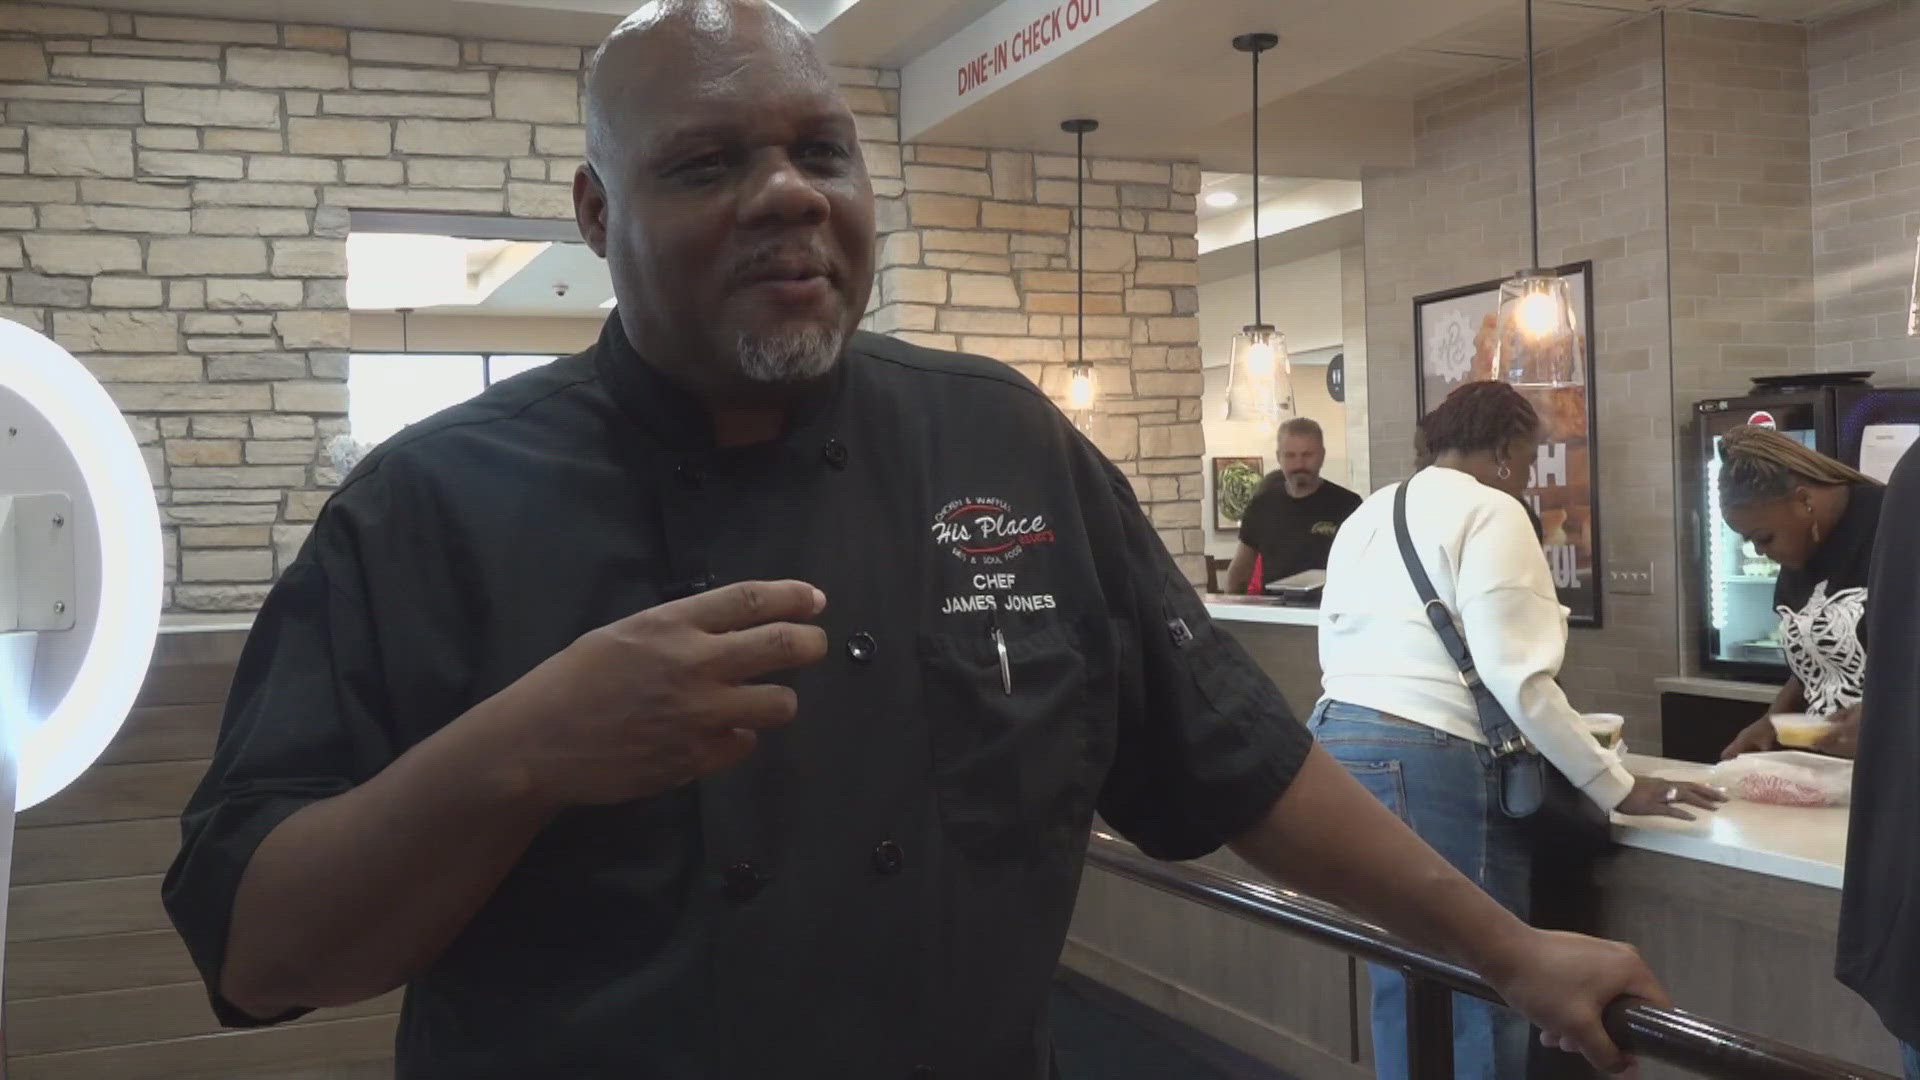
<point>1758,737</point>
<point>1654,797</point>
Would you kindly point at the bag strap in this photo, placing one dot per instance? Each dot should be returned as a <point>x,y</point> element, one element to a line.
<point>1501,732</point>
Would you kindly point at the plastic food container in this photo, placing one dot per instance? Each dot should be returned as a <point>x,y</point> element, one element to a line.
<point>1606,728</point>
<point>1803,730</point>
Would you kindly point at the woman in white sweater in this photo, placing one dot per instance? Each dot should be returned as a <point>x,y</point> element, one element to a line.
<point>1398,715</point>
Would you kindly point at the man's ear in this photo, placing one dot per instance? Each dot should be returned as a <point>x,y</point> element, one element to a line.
<point>590,208</point>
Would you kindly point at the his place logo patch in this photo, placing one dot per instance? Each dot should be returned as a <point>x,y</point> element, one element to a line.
<point>987,532</point>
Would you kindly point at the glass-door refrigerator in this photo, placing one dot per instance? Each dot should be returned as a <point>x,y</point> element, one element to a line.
<point>1837,414</point>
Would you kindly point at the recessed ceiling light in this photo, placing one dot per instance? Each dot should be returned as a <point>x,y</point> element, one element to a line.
<point>1221,199</point>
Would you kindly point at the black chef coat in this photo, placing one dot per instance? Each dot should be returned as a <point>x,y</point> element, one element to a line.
<point>1880,908</point>
<point>882,890</point>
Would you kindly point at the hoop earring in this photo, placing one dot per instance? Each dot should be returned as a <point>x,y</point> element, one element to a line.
<point>1505,473</point>
<point>1816,534</point>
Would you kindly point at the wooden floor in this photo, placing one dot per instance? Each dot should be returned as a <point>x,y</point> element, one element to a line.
<point>98,986</point>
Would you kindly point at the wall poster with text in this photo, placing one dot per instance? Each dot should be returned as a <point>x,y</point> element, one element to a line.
<point>1455,333</point>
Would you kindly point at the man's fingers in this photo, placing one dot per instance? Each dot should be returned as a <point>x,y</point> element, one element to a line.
<point>745,604</point>
<point>746,654</point>
<point>1673,810</point>
<point>1591,1040</point>
<point>751,708</point>
<point>720,750</point>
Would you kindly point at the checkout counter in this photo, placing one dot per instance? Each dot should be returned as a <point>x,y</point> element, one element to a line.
<point>1737,913</point>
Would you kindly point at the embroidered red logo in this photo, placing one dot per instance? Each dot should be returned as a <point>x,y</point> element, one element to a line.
<point>987,532</point>
<point>1763,418</point>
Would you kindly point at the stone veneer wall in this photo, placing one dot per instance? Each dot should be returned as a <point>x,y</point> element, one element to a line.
<point>175,196</point>
<point>985,262</point>
<point>1864,73</point>
<point>1459,215</point>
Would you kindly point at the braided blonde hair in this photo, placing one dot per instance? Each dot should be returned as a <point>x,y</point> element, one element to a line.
<point>1761,465</point>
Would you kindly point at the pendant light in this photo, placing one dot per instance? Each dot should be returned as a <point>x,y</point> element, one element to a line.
<point>1536,340</point>
<point>1260,375</point>
<point>1081,387</point>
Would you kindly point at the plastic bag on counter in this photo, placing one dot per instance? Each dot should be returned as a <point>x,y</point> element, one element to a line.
<point>1786,778</point>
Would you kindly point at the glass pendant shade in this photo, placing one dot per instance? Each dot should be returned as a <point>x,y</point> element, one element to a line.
<point>1081,388</point>
<point>1260,375</point>
<point>1913,297</point>
<point>1537,340</point>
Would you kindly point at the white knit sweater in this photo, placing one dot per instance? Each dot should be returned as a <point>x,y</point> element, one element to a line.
<point>1377,648</point>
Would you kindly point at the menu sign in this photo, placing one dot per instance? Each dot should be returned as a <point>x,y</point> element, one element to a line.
<point>1456,334</point>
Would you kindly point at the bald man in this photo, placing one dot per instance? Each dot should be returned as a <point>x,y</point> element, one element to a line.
<point>733,700</point>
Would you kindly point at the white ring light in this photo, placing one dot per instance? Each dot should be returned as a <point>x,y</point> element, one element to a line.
<point>55,749</point>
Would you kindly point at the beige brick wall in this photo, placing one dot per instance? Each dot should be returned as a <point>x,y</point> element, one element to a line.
<point>175,196</point>
<point>1864,73</point>
<point>1740,206</point>
<point>1459,215</point>
<point>1741,227</point>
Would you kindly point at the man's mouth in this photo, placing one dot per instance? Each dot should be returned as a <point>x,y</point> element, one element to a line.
<point>787,270</point>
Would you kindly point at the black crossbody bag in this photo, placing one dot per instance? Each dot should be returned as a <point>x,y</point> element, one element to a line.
<point>1531,789</point>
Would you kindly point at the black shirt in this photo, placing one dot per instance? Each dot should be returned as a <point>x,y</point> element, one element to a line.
<point>1880,908</point>
<point>1821,606</point>
<point>884,885</point>
<point>1292,534</point>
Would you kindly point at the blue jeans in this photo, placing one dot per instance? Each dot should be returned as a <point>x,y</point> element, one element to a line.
<point>1911,1057</point>
<point>1443,787</point>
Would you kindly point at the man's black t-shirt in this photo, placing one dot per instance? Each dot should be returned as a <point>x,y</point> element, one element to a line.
<point>1880,909</point>
<point>1822,606</point>
<point>884,886</point>
<point>1292,534</point>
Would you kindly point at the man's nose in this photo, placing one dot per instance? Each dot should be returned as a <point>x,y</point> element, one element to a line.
<point>780,193</point>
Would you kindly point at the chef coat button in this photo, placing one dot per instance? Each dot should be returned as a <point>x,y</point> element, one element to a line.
<point>690,474</point>
<point>835,452</point>
<point>888,858</point>
<point>744,882</point>
<point>861,647</point>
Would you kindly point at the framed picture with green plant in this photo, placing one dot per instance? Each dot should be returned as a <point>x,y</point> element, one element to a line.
<point>1235,479</point>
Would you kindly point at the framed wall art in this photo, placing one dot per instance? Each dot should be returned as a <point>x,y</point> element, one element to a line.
<point>1455,334</point>
<point>1235,479</point>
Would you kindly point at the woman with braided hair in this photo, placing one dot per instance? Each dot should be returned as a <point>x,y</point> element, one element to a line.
<point>1815,517</point>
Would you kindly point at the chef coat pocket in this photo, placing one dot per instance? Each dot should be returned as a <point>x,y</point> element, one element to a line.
<point>1016,771</point>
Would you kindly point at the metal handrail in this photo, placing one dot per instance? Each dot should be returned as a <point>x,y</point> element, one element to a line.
<point>1669,1035</point>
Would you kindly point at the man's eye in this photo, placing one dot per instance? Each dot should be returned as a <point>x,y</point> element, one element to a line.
<point>701,166</point>
<point>826,152</point>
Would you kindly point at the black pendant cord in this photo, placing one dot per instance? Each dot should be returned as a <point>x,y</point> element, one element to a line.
<point>1533,145</point>
<point>1078,129</point>
<point>1257,318</point>
<point>1080,225</point>
<point>1256,44</point>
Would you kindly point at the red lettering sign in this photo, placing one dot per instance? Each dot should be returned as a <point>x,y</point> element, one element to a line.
<point>1025,43</point>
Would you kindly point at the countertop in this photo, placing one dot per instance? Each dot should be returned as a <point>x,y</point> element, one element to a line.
<point>206,624</point>
<point>1253,609</point>
<point>1795,843</point>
